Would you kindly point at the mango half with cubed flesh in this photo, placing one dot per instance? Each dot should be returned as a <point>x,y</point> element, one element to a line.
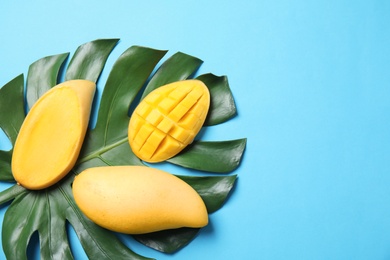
<point>52,133</point>
<point>137,199</point>
<point>168,119</point>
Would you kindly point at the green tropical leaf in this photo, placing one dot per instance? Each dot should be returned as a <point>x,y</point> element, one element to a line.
<point>222,106</point>
<point>12,107</point>
<point>89,59</point>
<point>179,66</point>
<point>214,190</point>
<point>49,211</point>
<point>43,75</point>
<point>27,214</point>
<point>219,157</point>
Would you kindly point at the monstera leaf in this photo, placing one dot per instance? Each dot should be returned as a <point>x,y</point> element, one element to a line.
<point>49,211</point>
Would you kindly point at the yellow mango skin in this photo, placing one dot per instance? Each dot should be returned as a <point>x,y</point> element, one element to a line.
<point>137,199</point>
<point>52,133</point>
<point>168,119</point>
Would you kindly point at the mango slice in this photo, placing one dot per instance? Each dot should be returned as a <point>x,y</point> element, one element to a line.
<point>137,199</point>
<point>168,119</point>
<point>52,133</point>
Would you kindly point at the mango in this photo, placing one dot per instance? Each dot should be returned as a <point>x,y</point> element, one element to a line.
<point>168,119</point>
<point>50,138</point>
<point>137,199</point>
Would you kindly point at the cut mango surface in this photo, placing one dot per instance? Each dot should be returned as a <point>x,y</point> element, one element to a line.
<point>137,199</point>
<point>52,133</point>
<point>168,119</point>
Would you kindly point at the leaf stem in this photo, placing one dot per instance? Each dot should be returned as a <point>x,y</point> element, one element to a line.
<point>99,152</point>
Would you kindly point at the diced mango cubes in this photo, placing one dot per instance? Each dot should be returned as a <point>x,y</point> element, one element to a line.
<point>168,119</point>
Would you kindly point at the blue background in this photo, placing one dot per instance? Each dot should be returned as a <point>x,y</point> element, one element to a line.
<point>312,87</point>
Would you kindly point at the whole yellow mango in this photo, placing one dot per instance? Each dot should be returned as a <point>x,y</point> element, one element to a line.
<point>50,138</point>
<point>137,199</point>
<point>168,119</point>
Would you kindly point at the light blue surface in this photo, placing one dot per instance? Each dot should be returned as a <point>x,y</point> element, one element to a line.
<point>312,87</point>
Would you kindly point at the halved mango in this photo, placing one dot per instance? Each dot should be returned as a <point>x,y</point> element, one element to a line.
<point>168,119</point>
<point>137,199</point>
<point>52,133</point>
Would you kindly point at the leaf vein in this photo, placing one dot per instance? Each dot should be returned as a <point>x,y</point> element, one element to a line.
<point>49,224</point>
<point>102,150</point>
<point>105,161</point>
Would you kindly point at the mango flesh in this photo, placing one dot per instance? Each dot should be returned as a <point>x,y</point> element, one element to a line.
<point>137,199</point>
<point>52,133</point>
<point>168,119</point>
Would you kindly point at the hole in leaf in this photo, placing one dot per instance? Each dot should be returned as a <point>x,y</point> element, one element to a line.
<point>95,108</point>
<point>61,71</point>
<point>33,249</point>
<point>5,143</point>
<point>74,243</point>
